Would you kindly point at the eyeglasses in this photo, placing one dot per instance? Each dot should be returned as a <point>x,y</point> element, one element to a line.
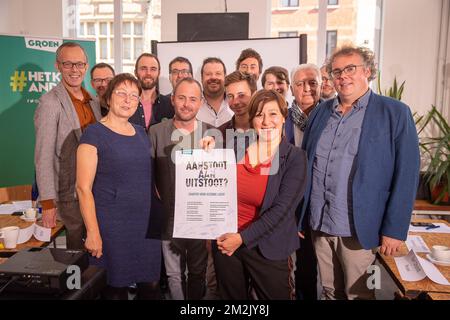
<point>69,65</point>
<point>311,83</point>
<point>348,70</point>
<point>183,72</point>
<point>124,95</point>
<point>98,81</point>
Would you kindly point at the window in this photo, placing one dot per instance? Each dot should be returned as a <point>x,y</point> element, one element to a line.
<point>103,49</point>
<point>81,30</point>
<point>331,42</point>
<point>91,29</point>
<point>333,2</point>
<point>138,29</point>
<point>103,28</point>
<point>283,34</point>
<point>289,3</point>
<point>138,47</point>
<point>126,28</point>
<point>126,48</point>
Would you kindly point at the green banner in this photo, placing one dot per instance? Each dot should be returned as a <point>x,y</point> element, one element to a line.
<point>27,71</point>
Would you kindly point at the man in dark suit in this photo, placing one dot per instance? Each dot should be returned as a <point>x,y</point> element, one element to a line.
<point>153,106</point>
<point>363,169</point>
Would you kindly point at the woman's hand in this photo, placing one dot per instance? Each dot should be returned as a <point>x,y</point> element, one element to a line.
<point>229,242</point>
<point>94,244</point>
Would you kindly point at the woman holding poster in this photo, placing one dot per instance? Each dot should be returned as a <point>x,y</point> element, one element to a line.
<point>270,184</point>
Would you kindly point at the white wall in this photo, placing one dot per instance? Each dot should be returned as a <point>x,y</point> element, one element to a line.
<point>259,14</point>
<point>31,17</point>
<point>410,46</point>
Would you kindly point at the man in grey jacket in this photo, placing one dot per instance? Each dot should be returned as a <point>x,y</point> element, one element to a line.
<point>61,116</point>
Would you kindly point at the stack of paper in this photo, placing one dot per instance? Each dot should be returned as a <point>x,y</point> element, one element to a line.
<point>40,233</point>
<point>414,268</point>
<point>10,208</point>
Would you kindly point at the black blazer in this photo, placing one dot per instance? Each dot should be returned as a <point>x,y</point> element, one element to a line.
<point>275,230</point>
<point>162,109</point>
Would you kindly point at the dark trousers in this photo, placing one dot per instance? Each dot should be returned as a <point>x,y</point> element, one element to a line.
<point>306,272</point>
<point>70,214</point>
<point>269,278</point>
<point>193,252</point>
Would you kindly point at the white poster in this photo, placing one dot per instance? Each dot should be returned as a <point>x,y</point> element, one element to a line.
<point>205,193</point>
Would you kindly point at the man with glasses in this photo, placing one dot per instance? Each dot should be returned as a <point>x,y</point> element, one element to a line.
<point>153,106</point>
<point>61,116</point>
<point>327,91</point>
<point>101,74</point>
<point>305,87</point>
<point>179,68</point>
<point>363,168</point>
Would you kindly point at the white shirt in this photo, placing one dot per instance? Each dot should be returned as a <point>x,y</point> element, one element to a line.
<point>208,114</point>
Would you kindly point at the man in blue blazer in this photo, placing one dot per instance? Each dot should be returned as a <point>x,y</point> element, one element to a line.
<point>363,168</point>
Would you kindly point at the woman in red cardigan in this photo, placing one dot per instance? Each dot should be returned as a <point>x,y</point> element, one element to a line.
<point>270,184</point>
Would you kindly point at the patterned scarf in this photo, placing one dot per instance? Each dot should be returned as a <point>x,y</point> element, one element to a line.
<point>298,117</point>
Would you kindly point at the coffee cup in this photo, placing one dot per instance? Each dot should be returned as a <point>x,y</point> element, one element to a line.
<point>9,236</point>
<point>30,213</point>
<point>440,253</point>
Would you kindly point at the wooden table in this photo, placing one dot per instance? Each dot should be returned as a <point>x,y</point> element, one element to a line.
<point>426,207</point>
<point>412,289</point>
<point>10,220</point>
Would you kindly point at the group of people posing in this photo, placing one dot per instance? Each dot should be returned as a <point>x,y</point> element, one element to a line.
<point>322,182</point>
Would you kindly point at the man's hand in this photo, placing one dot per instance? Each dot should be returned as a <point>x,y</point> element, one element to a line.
<point>229,242</point>
<point>389,246</point>
<point>49,218</point>
<point>207,143</point>
<point>94,244</point>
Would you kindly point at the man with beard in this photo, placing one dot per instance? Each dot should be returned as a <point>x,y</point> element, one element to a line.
<point>153,107</point>
<point>215,110</point>
<point>101,74</point>
<point>250,62</point>
<point>276,78</point>
<point>327,90</point>
<point>165,139</point>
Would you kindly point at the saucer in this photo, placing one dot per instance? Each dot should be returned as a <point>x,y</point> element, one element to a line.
<point>440,263</point>
<point>28,219</point>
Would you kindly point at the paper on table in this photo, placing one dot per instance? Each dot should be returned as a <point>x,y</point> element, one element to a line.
<point>414,268</point>
<point>443,228</point>
<point>25,234</point>
<point>7,208</point>
<point>22,205</point>
<point>417,244</point>
<point>40,233</point>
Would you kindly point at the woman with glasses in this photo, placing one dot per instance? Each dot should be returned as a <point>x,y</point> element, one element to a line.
<point>114,190</point>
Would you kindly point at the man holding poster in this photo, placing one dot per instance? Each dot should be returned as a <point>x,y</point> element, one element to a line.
<point>183,132</point>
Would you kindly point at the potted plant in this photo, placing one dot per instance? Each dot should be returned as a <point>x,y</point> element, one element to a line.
<point>435,152</point>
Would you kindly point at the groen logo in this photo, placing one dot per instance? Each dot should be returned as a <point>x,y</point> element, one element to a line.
<point>49,45</point>
<point>18,81</point>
